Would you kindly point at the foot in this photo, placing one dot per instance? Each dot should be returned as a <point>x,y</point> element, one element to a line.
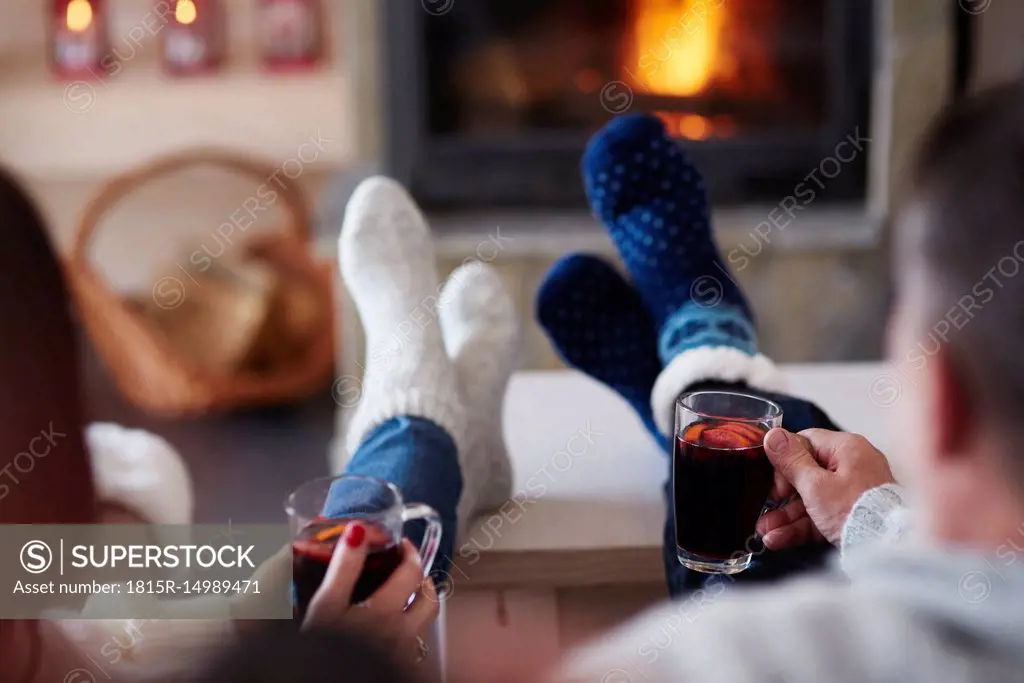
<point>387,263</point>
<point>598,325</point>
<point>481,334</point>
<point>653,202</point>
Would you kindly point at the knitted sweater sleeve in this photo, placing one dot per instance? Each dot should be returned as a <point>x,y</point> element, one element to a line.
<point>880,515</point>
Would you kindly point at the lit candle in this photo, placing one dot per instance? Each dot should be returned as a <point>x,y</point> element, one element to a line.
<point>78,38</point>
<point>193,39</point>
<point>292,33</point>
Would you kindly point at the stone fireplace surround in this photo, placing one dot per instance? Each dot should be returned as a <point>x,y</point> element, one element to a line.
<point>817,277</point>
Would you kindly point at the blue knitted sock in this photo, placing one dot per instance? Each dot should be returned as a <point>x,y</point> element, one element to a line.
<point>653,202</point>
<point>598,324</point>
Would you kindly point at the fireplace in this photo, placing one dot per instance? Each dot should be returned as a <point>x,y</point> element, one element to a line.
<point>490,102</point>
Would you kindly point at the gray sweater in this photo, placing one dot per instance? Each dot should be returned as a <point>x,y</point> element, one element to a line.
<point>902,613</point>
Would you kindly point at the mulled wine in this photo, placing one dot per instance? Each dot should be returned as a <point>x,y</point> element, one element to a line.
<point>314,546</point>
<point>721,481</point>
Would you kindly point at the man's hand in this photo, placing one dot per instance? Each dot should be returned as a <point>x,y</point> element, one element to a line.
<point>828,472</point>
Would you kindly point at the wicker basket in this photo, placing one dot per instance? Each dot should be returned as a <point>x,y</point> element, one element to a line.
<point>148,370</point>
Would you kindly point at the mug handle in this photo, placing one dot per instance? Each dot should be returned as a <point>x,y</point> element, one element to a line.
<point>432,537</point>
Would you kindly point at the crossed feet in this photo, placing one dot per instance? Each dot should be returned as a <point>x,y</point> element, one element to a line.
<point>680,317</point>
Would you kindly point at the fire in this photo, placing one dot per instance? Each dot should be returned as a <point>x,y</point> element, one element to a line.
<point>185,12</point>
<point>694,127</point>
<point>691,126</point>
<point>674,44</point>
<point>78,15</point>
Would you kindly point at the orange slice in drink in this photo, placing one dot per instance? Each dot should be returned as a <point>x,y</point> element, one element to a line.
<point>719,437</point>
<point>693,432</point>
<point>330,533</point>
<point>750,433</point>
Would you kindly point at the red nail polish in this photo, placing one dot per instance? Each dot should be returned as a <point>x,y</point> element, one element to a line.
<point>355,533</point>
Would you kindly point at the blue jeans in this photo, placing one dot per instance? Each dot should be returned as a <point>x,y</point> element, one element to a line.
<point>421,459</point>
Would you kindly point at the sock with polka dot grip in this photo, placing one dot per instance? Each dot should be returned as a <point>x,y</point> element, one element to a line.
<point>598,325</point>
<point>654,204</point>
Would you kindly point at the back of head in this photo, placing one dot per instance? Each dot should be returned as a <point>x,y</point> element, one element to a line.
<point>961,246</point>
<point>280,652</point>
<point>45,477</point>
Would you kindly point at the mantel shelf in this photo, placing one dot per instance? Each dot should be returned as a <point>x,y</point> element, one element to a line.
<point>83,130</point>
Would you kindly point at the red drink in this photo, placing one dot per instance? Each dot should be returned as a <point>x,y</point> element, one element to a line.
<point>349,498</point>
<point>721,480</point>
<point>312,551</point>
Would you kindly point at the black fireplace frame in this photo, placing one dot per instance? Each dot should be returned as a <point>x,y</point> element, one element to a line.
<point>470,174</point>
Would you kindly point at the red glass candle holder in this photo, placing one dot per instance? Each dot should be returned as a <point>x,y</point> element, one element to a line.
<point>192,42</point>
<point>79,45</point>
<point>292,34</point>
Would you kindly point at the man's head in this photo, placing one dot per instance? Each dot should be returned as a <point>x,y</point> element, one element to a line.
<point>957,332</point>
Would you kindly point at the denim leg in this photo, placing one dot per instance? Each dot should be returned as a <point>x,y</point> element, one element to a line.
<point>767,565</point>
<point>421,459</point>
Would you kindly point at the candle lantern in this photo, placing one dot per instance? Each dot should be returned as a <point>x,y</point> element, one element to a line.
<point>292,33</point>
<point>78,38</point>
<point>193,39</point>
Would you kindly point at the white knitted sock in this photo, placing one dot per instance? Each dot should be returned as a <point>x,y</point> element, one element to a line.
<point>387,263</point>
<point>481,333</point>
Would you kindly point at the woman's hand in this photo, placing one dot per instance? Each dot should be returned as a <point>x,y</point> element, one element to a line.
<point>385,612</point>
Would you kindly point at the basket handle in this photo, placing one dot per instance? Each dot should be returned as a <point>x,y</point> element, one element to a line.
<point>118,188</point>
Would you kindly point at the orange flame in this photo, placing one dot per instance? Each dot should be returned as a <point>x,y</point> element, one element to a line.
<point>673,46</point>
<point>694,127</point>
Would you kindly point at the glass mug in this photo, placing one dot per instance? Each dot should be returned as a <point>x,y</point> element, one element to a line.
<point>378,505</point>
<point>721,477</point>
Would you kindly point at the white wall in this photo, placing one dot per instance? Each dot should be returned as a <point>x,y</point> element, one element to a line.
<point>52,130</point>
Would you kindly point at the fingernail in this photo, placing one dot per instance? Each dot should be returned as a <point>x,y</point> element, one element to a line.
<point>777,440</point>
<point>354,535</point>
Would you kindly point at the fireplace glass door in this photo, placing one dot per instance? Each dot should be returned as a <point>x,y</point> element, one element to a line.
<point>756,89</point>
